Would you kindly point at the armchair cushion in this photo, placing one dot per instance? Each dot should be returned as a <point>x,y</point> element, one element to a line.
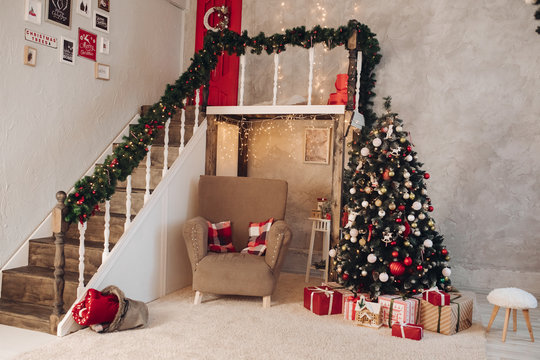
<point>220,237</point>
<point>257,237</point>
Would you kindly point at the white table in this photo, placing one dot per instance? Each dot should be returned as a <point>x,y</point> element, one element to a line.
<point>319,225</point>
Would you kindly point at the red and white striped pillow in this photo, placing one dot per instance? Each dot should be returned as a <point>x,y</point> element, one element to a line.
<point>220,237</point>
<point>257,237</point>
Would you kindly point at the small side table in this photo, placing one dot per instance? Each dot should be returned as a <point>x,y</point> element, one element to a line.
<point>321,225</point>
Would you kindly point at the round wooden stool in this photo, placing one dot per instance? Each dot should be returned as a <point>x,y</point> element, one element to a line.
<point>511,299</point>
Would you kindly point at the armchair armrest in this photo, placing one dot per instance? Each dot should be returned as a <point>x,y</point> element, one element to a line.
<point>195,233</point>
<point>277,244</point>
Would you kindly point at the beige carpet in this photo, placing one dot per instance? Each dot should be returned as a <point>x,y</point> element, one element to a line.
<point>239,328</point>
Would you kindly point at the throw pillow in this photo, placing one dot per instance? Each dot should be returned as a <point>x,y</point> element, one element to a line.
<point>257,237</point>
<point>220,237</point>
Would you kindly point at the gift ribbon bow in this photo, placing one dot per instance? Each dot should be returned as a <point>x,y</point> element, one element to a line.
<point>437,291</point>
<point>402,327</point>
<point>328,293</point>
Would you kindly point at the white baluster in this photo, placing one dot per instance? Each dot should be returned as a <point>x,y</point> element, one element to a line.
<point>107,231</point>
<point>242,78</point>
<point>197,103</point>
<point>148,174</point>
<point>128,204</point>
<point>310,82</point>
<point>276,66</point>
<point>166,149</point>
<point>80,288</point>
<point>358,72</point>
<point>182,128</point>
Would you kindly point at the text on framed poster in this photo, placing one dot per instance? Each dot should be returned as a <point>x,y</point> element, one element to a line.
<point>87,44</point>
<point>40,38</point>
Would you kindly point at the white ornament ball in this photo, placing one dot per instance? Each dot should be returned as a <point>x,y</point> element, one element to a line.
<point>354,239</point>
<point>408,158</point>
<point>371,258</point>
<point>399,128</point>
<point>382,213</point>
<point>428,243</point>
<point>365,204</point>
<point>364,151</point>
<point>408,184</point>
<point>417,233</point>
<point>352,191</point>
<point>406,195</point>
<point>364,273</point>
<point>383,277</point>
<point>332,252</point>
<point>354,232</point>
<point>421,216</point>
<point>402,228</point>
<point>410,217</point>
<point>446,272</point>
<point>424,192</point>
<point>417,205</point>
<point>377,142</point>
<point>406,175</point>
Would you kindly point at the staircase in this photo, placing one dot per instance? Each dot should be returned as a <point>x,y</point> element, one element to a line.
<point>28,292</point>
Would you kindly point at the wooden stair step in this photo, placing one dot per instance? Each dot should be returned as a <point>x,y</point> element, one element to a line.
<point>174,135</point>
<point>118,200</point>
<point>25,315</point>
<point>177,117</point>
<point>157,156</point>
<point>34,284</point>
<point>95,226</point>
<point>138,177</point>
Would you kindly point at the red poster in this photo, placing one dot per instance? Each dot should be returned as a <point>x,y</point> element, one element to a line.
<point>87,44</point>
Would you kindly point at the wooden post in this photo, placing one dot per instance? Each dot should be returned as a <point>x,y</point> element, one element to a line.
<point>59,229</point>
<point>211,146</point>
<point>337,174</point>
<point>243,138</point>
<point>352,72</point>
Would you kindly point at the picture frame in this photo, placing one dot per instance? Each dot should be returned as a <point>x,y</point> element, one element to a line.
<point>101,22</point>
<point>104,46</point>
<point>30,55</point>
<point>32,11</point>
<point>58,12</point>
<point>67,50</point>
<point>84,8</point>
<point>102,71</point>
<point>104,5</point>
<point>87,44</point>
<point>317,145</point>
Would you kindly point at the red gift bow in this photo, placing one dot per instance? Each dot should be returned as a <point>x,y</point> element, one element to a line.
<point>96,308</point>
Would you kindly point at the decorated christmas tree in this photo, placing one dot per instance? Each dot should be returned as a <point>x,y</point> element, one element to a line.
<point>389,243</point>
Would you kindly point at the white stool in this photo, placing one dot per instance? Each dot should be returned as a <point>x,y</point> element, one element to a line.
<point>511,299</point>
<point>321,225</point>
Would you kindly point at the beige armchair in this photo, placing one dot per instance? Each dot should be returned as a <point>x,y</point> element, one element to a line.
<point>241,200</point>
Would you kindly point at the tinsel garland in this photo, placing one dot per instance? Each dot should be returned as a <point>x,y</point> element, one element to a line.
<point>91,190</point>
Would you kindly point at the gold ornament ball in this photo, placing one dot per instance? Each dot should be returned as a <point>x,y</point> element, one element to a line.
<point>378,202</point>
<point>406,243</point>
<point>392,206</point>
<point>412,196</point>
<point>367,190</point>
<point>347,236</point>
<point>391,173</point>
<point>402,140</point>
<point>414,225</point>
<point>432,228</point>
<point>446,278</point>
<point>344,247</point>
<point>431,223</point>
<point>447,258</point>
<point>362,242</point>
<point>383,190</point>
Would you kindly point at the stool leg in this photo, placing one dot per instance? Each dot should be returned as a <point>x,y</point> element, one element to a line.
<point>310,255</point>
<point>506,320</point>
<point>514,315</point>
<point>528,321</point>
<point>493,315</point>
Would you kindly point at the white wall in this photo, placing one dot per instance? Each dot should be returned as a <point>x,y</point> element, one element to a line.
<point>56,118</point>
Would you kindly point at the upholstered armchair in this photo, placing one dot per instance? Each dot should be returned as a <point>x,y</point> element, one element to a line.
<point>241,200</point>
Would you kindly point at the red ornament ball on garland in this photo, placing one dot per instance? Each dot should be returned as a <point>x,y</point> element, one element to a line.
<point>414,291</point>
<point>398,220</point>
<point>444,252</point>
<point>407,261</point>
<point>430,208</point>
<point>397,268</point>
<point>419,268</point>
<point>401,207</point>
<point>409,148</point>
<point>345,276</point>
<point>426,176</point>
<point>393,243</point>
<point>395,254</point>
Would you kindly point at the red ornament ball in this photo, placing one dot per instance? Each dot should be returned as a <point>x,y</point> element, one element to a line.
<point>444,252</point>
<point>407,261</point>
<point>414,291</point>
<point>345,276</point>
<point>426,176</point>
<point>419,268</point>
<point>401,207</point>
<point>397,268</point>
<point>430,208</point>
<point>398,220</point>
<point>409,148</point>
<point>395,254</point>
<point>393,243</point>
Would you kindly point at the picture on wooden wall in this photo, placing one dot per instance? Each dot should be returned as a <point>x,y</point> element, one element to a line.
<point>67,51</point>
<point>101,22</point>
<point>102,71</point>
<point>84,8</point>
<point>32,11</point>
<point>317,143</point>
<point>87,44</point>
<point>30,55</point>
<point>104,5</point>
<point>58,12</point>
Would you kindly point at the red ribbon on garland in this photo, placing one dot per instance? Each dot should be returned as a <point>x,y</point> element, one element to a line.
<point>370,227</point>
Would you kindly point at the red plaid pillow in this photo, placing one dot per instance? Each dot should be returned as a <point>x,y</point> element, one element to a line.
<point>257,237</point>
<point>220,237</point>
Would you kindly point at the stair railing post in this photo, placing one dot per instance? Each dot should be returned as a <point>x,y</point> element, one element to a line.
<point>59,230</point>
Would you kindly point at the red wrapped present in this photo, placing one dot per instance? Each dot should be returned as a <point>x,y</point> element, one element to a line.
<point>395,309</point>
<point>408,331</point>
<point>436,297</point>
<point>349,307</point>
<point>96,308</point>
<point>322,300</point>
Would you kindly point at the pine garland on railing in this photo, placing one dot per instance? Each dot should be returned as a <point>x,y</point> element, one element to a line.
<point>88,192</point>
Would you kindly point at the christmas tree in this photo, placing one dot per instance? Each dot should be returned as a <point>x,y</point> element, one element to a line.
<point>389,243</point>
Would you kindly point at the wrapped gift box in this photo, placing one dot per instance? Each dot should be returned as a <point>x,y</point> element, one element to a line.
<point>322,300</point>
<point>408,331</point>
<point>448,319</point>
<point>395,309</point>
<point>349,307</point>
<point>436,297</point>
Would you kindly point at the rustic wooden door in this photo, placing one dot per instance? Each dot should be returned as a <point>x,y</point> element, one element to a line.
<point>223,87</point>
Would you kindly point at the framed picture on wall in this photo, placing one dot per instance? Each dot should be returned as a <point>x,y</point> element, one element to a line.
<point>317,145</point>
<point>32,11</point>
<point>104,46</point>
<point>67,51</point>
<point>101,22</point>
<point>30,55</point>
<point>87,44</point>
<point>84,8</point>
<point>104,5</point>
<point>102,71</point>
<point>58,12</point>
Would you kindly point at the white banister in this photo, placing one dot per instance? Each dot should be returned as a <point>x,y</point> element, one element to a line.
<point>148,174</point>
<point>242,79</point>
<point>197,103</point>
<point>276,68</point>
<point>82,230</point>
<point>107,231</point>
<point>310,81</point>
<point>358,72</point>
<point>166,148</point>
<point>182,128</point>
<point>128,203</point>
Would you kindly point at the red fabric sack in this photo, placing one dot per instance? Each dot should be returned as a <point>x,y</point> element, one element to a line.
<point>408,331</point>
<point>95,308</point>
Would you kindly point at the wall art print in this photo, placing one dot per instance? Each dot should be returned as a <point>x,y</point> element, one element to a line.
<point>39,38</point>
<point>317,143</point>
<point>104,46</point>
<point>30,55</point>
<point>101,22</point>
<point>32,11</point>
<point>104,5</point>
<point>84,8</point>
<point>87,44</point>
<point>58,12</point>
<point>67,51</point>
<point>102,71</point>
